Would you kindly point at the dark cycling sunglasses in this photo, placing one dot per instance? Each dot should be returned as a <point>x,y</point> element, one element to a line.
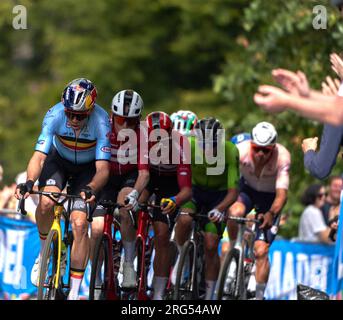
<point>77,116</point>
<point>130,121</point>
<point>265,150</point>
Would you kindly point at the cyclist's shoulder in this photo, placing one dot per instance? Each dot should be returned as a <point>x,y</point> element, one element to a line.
<point>54,115</point>
<point>55,110</point>
<point>283,152</point>
<point>100,112</point>
<point>99,120</point>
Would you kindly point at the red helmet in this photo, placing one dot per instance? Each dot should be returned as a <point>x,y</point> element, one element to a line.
<point>159,120</point>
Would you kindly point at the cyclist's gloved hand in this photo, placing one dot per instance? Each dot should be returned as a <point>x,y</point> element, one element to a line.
<point>168,205</point>
<point>24,189</point>
<point>215,215</point>
<point>132,200</point>
<point>267,220</point>
<point>87,194</point>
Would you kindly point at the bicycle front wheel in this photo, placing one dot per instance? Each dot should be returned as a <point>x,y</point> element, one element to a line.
<point>98,285</point>
<point>48,268</point>
<point>230,279</point>
<point>186,283</point>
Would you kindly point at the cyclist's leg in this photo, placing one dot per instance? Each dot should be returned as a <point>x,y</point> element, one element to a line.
<point>212,262</point>
<point>261,250</point>
<point>97,225</point>
<point>238,209</point>
<point>53,179</point>
<point>183,224</point>
<point>81,176</point>
<point>164,187</point>
<point>79,251</point>
<point>162,258</point>
<point>128,233</point>
<point>263,240</point>
<point>212,235</point>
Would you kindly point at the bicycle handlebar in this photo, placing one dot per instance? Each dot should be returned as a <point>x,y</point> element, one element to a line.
<point>52,196</point>
<point>244,220</point>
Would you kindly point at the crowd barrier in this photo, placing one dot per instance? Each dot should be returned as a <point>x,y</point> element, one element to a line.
<point>315,265</point>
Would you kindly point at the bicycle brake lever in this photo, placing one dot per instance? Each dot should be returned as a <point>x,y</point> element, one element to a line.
<point>21,206</point>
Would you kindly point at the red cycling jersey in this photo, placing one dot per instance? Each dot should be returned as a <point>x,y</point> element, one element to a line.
<point>173,158</point>
<point>126,153</point>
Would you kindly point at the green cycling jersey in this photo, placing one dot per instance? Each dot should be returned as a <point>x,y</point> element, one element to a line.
<point>227,179</point>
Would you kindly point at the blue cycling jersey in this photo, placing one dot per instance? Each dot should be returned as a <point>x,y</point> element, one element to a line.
<point>91,144</point>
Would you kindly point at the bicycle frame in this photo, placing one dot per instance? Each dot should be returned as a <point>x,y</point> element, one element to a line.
<point>112,290</point>
<point>195,239</point>
<point>239,245</point>
<point>144,220</point>
<point>56,225</point>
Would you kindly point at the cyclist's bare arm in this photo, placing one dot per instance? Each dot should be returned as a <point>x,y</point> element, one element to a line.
<point>184,195</point>
<point>229,199</point>
<point>279,201</point>
<point>101,175</point>
<point>34,169</point>
<point>142,180</point>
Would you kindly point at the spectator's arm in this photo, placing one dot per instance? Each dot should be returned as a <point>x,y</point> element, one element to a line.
<point>320,163</point>
<point>323,108</point>
<point>324,236</point>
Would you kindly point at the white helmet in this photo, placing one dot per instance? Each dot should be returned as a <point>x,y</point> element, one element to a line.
<point>184,121</point>
<point>127,103</point>
<point>264,134</point>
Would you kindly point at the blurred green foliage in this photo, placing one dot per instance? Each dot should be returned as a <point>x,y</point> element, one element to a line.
<point>208,56</point>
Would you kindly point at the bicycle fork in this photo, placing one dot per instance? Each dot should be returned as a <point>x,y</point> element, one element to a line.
<point>194,265</point>
<point>56,227</point>
<point>240,247</point>
<point>111,291</point>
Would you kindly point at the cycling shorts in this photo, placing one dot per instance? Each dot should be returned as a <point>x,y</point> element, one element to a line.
<point>261,202</point>
<point>58,171</point>
<point>163,187</point>
<point>204,201</point>
<point>114,185</point>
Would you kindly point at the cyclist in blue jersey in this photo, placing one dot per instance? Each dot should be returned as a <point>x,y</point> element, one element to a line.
<point>238,138</point>
<point>73,147</point>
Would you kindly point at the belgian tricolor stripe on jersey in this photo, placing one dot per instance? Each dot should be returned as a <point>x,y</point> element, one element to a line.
<point>76,144</point>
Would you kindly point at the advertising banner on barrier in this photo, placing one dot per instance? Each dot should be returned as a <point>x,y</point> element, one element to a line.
<point>337,279</point>
<point>292,263</point>
<point>19,247</point>
<point>295,263</point>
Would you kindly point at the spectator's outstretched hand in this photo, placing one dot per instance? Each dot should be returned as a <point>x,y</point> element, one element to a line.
<point>337,64</point>
<point>330,86</point>
<point>271,99</point>
<point>293,82</point>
